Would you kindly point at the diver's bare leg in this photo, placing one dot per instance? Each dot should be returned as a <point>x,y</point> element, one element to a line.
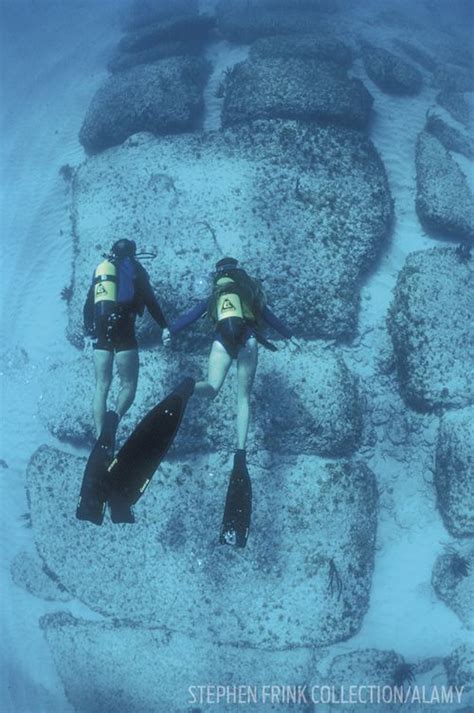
<point>219,363</point>
<point>246,368</point>
<point>103,362</point>
<point>127,368</point>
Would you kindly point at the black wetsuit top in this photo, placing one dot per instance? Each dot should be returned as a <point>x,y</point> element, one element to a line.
<point>117,331</point>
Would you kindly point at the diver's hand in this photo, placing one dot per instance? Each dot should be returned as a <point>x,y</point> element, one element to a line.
<point>166,337</point>
<point>294,345</point>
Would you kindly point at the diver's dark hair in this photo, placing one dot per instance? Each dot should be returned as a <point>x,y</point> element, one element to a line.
<point>124,248</point>
<point>226,263</point>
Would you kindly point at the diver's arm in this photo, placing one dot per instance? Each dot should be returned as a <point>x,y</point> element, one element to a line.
<point>273,321</point>
<point>188,318</point>
<point>151,303</point>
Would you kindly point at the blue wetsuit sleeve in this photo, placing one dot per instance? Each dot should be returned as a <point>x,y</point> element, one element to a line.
<point>189,317</point>
<point>152,305</point>
<point>149,299</point>
<point>273,321</point>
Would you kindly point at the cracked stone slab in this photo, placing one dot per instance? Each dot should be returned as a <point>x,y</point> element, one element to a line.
<point>307,567</point>
<point>306,208</point>
<point>139,670</point>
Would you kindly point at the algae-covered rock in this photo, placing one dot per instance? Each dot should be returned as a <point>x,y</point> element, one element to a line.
<point>456,104</point>
<point>452,77</point>
<point>294,88</point>
<point>306,569</point>
<point>310,47</point>
<point>319,409</point>
<point>444,201</point>
<point>460,668</point>
<point>451,138</point>
<point>431,329</point>
<point>378,680</point>
<point>68,415</point>
<point>308,403</point>
<point>418,54</point>
<point>454,472</point>
<point>453,581</point>
<point>152,670</point>
<point>164,97</point>
<point>389,72</point>
<point>363,667</point>
<point>172,37</point>
<point>142,13</point>
<point>305,208</point>
<point>31,574</point>
<point>187,29</point>
<point>121,61</point>
<point>244,21</point>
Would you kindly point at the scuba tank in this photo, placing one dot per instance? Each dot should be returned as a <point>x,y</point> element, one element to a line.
<point>229,303</point>
<point>105,289</point>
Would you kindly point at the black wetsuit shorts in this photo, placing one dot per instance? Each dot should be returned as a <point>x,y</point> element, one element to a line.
<point>116,332</point>
<point>233,333</point>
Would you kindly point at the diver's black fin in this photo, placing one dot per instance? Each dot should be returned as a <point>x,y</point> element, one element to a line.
<point>137,460</point>
<point>238,505</point>
<point>94,483</point>
<point>120,509</point>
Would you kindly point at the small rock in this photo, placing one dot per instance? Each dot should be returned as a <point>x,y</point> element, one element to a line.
<point>451,138</point>
<point>389,72</point>
<point>444,201</point>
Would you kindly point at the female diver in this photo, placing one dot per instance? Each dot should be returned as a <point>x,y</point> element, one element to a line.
<point>237,308</point>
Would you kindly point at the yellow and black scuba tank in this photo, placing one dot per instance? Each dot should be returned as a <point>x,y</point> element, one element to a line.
<point>105,289</point>
<point>235,296</point>
<point>228,301</point>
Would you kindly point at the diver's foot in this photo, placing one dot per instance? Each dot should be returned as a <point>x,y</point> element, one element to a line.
<point>109,429</point>
<point>111,422</point>
<point>239,458</point>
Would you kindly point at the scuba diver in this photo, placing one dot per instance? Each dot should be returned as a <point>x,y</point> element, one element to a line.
<point>120,291</point>
<point>237,307</point>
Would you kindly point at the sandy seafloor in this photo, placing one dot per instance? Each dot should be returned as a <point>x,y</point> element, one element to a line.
<point>50,67</point>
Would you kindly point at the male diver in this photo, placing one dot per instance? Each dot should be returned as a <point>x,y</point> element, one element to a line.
<point>120,291</point>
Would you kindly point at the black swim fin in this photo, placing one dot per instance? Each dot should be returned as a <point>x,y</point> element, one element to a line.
<point>94,490</point>
<point>238,505</point>
<point>134,465</point>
